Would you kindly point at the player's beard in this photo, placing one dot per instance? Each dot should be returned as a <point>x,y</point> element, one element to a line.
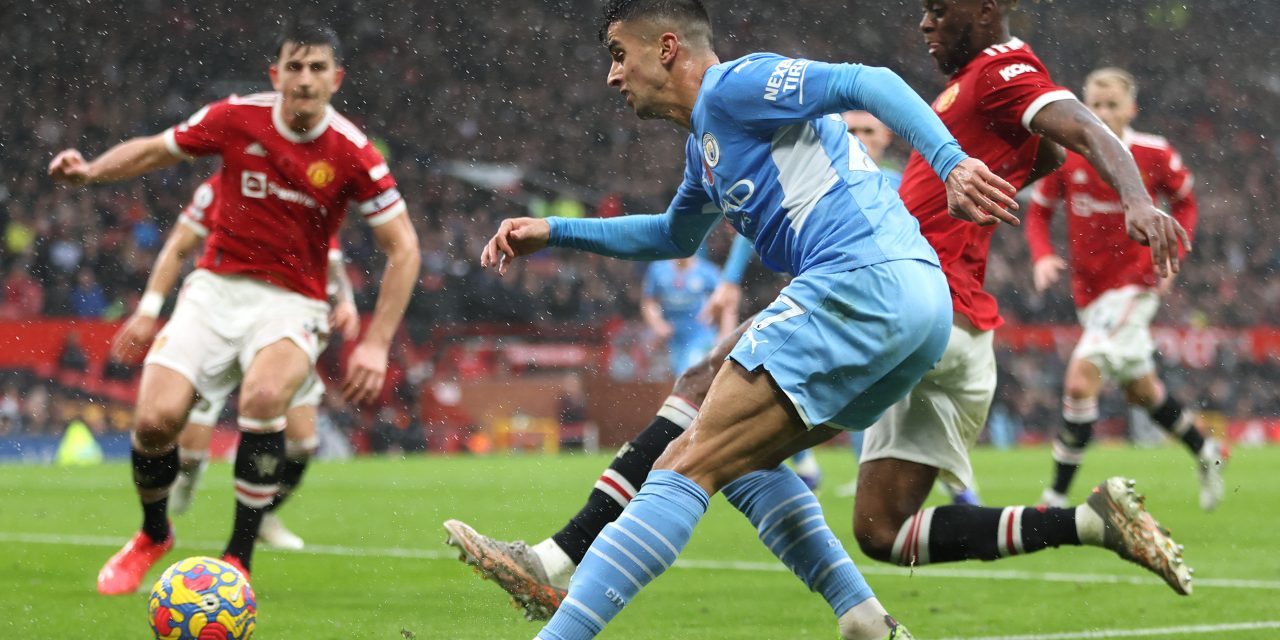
<point>961,54</point>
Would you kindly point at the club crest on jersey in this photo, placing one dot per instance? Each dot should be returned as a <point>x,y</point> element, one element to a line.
<point>320,173</point>
<point>947,98</point>
<point>710,149</point>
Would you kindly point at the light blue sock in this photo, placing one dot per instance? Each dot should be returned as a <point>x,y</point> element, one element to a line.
<point>633,550</point>
<point>789,521</point>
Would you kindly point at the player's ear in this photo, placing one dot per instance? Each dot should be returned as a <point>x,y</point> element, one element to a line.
<point>273,71</point>
<point>338,75</point>
<point>668,46</point>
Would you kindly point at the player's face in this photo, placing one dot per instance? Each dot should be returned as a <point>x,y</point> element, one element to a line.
<point>636,70</point>
<point>306,77</point>
<point>1112,105</point>
<point>870,131</point>
<point>948,31</point>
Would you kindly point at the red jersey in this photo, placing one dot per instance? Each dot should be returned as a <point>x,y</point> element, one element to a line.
<point>1103,257</point>
<point>284,194</point>
<point>988,106</point>
<point>201,214</point>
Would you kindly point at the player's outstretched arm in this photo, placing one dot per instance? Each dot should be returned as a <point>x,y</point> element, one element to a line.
<point>651,311</point>
<point>634,237</point>
<point>1073,126</point>
<point>129,159</point>
<point>367,366</point>
<point>974,193</point>
<point>133,339</point>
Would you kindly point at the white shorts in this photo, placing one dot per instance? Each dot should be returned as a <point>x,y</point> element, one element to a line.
<point>220,324</point>
<point>1117,333</point>
<point>942,416</point>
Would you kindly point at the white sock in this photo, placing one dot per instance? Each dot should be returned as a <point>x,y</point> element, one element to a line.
<point>867,620</point>
<point>555,562</point>
<point>1089,526</point>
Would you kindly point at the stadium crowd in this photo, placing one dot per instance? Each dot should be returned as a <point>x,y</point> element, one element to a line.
<point>487,109</point>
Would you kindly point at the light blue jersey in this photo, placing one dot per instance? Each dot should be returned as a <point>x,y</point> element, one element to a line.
<point>867,312</point>
<point>681,293</point>
<point>789,176</point>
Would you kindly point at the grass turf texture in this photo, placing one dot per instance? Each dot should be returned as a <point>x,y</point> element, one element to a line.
<point>376,566</point>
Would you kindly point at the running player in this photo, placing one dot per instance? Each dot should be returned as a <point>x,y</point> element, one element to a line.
<point>864,316</point>
<point>1116,289</point>
<point>998,102</point>
<point>137,333</point>
<point>254,312</point>
<point>674,293</point>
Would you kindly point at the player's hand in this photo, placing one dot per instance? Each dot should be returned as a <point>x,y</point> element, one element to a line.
<point>344,319</point>
<point>1160,231</point>
<point>515,237</point>
<point>366,372</point>
<point>70,167</point>
<point>133,339</point>
<point>725,299</point>
<point>976,194</point>
<point>663,331</point>
<point>1046,271</point>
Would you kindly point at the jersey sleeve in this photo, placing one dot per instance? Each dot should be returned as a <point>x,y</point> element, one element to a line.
<point>1014,88</point>
<point>201,214</point>
<point>335,248</point>
<point>204,133</point>
<point>1045,196</point>
<point>377,198</point>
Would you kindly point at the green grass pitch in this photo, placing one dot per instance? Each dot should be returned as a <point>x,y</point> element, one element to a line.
<point>376,566</point>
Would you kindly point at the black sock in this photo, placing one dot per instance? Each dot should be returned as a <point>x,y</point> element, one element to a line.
<point>1169,416</point>
<point>290,478</point>
<point>259,462</point>
<point>964,532</point>
<point>155,472</point>
<point>1068,451</point>
<point>632,464</point>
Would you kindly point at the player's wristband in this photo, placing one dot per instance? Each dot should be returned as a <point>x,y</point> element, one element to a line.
<point>151,304</point>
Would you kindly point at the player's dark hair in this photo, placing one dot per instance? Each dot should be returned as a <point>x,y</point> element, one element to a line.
<point>310,34</point>
<point>689,14</point>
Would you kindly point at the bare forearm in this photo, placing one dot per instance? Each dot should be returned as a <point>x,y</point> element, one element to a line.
<point>130,159</point>
<point>398,281</point>
<point>180,245</point>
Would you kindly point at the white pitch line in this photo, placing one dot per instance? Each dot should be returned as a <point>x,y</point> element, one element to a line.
<point>705,565</point>
<point>1139,633</point>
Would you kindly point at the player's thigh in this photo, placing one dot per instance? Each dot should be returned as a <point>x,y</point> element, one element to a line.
<point>164,397</point>
<point>745,425</point>
<point>1145,390</point>
<point>273,376</point>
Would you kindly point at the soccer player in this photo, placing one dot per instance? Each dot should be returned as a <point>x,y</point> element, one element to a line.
<point>137,333</point>
<point>864,316</point>
<point>254,312</point>
<point>999,101</point>
<point>1116,290</point>
<point>674,293</point>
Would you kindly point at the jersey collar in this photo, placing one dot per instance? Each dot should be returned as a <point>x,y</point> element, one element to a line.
<point>292,136</point>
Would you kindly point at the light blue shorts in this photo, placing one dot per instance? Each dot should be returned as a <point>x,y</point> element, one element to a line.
<point>845,347</point>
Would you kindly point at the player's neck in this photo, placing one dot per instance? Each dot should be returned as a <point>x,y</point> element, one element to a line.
<point>686,83</point>
<point>982,41</point>
<point>302,123</point>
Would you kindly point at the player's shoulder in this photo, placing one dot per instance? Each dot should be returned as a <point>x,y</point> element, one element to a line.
<point>263,100</point>
<point>1010,60</point>
<point>1148,141</point>
<point>348,130</point>
<point>732,77</point>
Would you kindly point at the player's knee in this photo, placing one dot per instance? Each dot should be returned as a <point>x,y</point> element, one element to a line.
<point>693,384</point>
<point>875,537</point>
<point>155,429</point>
<point>263,400</point>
